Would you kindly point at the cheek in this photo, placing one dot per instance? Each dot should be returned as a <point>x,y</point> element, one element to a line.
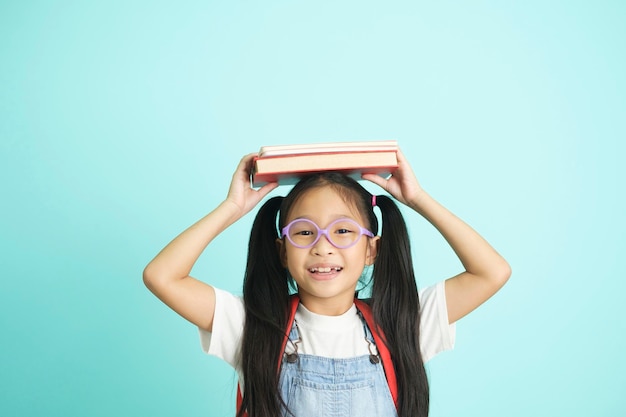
<point>291,258</point>
<point>357,257</point>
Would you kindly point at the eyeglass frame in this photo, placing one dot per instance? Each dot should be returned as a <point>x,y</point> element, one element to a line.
<point>362,231</point>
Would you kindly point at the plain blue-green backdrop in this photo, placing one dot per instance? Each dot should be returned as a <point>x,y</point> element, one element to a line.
<point>121,123</point>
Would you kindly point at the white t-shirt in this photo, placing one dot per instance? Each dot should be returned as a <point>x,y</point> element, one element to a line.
<point>329,336</point>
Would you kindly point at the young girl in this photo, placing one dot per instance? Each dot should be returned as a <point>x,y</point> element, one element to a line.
<point>302,342</point>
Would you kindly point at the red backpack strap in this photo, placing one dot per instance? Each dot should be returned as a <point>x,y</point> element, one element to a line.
<point>381,345</point>
<point>239,401</point>
<point>293,306</point>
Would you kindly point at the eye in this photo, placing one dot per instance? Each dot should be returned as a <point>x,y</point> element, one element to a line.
<point>302,228</point>
<point>344,227</point>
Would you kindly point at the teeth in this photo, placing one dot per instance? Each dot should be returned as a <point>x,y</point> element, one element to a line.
<point>325,270</point>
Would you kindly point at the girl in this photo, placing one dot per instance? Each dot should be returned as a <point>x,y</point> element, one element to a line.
<point>318,352</point>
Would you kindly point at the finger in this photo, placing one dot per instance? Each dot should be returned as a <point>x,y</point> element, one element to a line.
<point>249,157</point>
<point>267,188</point>
<point>400,156</point>
<point>244,168</point>
<point>246,162</point>
<point>376,179</point>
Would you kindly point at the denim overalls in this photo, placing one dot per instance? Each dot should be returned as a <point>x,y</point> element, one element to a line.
<point>315,386</point>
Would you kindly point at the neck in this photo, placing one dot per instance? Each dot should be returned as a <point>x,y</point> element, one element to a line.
<point>327,306</point>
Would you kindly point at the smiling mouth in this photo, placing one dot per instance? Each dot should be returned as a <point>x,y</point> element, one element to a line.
<point>326,270</point>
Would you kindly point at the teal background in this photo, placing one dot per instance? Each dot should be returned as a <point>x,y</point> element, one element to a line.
<point>121,123</point>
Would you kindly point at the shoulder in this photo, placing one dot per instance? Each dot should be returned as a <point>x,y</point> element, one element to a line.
<point>433,308</point>
<point>228,323</point>
<point>435,293</point>
<point>436,334</point>
<point>228,307</point>
<point>228,297</point>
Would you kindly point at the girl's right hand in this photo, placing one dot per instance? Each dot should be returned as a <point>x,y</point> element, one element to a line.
<point>241,194</point>
<point>167,275</point>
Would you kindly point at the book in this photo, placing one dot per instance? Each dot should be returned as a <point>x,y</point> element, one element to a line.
<point>328,147</point>
<point>286,164</point>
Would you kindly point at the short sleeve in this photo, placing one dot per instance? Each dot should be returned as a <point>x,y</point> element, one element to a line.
<point>436,334</point>
<point>225,340</point>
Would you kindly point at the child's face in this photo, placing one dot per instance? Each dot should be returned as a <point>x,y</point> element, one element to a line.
<point>326,276</point>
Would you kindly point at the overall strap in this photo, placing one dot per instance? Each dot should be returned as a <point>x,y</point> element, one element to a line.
<point>293,306</point>
<point>381,345</point>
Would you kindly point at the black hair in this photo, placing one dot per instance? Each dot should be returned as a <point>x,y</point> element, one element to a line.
<point>267,288</point>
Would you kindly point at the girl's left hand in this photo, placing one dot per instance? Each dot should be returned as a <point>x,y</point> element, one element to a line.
<point>402,184</point>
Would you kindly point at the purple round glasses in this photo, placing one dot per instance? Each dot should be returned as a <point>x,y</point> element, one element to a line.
<point>341,233</point>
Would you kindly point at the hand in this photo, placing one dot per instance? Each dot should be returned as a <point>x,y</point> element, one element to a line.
<point>402,184</point>
<point>240,193</point>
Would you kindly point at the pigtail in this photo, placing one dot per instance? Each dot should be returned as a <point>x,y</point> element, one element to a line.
<point>266,300</point>
<point>395,304</point>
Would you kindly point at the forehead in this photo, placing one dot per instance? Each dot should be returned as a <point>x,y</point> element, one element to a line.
<point>324,203</point>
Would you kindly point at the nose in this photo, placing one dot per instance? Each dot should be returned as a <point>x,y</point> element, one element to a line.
<point>323,245</point>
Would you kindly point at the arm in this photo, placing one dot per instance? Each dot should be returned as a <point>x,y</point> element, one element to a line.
<point>167,275</point>
<point>485,270</point>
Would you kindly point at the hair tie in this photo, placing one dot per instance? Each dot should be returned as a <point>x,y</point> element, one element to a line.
<point>373,200</point>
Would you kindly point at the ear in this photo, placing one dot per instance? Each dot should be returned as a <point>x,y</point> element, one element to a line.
<point>282,253</point>
<point>372,250</point>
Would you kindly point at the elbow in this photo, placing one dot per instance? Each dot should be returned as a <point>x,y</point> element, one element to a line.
<point>157,278</point>
<point>150,277</point>
<point>501,273</point>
